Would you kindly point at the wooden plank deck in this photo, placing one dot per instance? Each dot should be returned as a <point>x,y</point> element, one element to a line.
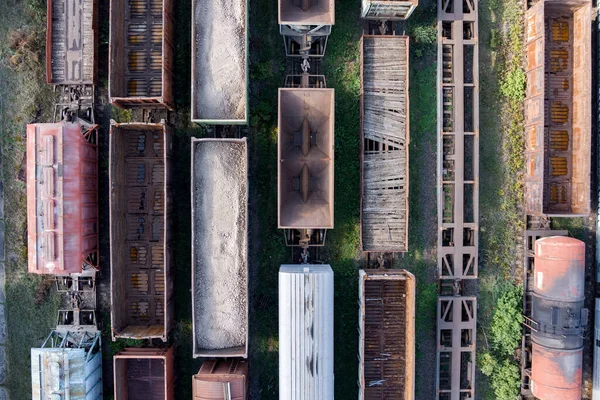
<point>385,143</point>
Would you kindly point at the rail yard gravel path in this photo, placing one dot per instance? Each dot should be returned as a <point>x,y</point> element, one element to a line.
<point>220,203</point>
<point>220,81</point>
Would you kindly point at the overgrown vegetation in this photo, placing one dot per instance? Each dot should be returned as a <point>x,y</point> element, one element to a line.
<point>498,360</point>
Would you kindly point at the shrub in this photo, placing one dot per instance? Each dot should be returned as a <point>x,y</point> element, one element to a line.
<point>424,34</point>
<point>487,363</point>
<point>495,38</point>
<point>507,320</point>
<point>513,85</point>
<point>506,380</point>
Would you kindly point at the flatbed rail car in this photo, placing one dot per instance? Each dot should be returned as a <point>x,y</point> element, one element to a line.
<point>144,373</point>
<point>219,192</point>
<point>384,143</point>
<point>71,42</point>
<point>140,230</point>
<point>140,53</point>
<point>220,62</point>
<point>386,334</point>
<point>62,198</point>
<point>558,108</point>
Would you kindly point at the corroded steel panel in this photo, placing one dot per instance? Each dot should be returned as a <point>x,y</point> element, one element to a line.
<point>305,158</point>
<point>556,374</point>
<point>144,373</point>
<point>306,12</point>
<point>62,198</point>
<point>386,334</point>
<point>140,178</point>
<point>558,103</point>
<point>140,53</point>
<point>214,375</point>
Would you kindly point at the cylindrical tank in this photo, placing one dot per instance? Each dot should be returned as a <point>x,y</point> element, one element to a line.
<point>557,304</point>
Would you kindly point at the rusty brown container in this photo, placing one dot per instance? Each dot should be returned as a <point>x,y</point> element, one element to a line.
<point>386,334</point>
<point>143,374</point>
<point>62,198</point>
<point>558,108</point>
<point>140,230</point>
<point>71,41</point>
<point>556,374</point>
<point>223,379</point>
<point>140,55</point>
<point>558,318</point>
<point>305,154</point>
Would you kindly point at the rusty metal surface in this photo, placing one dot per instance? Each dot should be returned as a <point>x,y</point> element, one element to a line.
<point>456,339</point>
<point>219,378</point>
<point>386,334</point>
<point>140,230</point>
<point>141,53</point>
<point>458,140</point>
<point>558,108</point>
<point>556,374</point>
<point>387,10</point>
<point>69,367</point>
<point>305,154</point>
<point>144,374</point>
<point>306,12</point>
<point>62,198</point>
<point>384,143</point>
<point>71,41</point>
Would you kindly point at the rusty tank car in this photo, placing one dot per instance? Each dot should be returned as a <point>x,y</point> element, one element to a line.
<point>558,318</point>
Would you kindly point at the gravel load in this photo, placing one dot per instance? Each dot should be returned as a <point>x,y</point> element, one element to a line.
<point>220,81</point>
<point>220,205</point>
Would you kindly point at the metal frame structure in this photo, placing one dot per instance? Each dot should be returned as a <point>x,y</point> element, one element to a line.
<point>387,10</point>
<point>458,140</point>
<point>455,356</point>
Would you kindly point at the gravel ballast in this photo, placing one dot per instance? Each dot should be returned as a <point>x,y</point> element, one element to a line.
<point>220,75</point>
<point>220,240</point>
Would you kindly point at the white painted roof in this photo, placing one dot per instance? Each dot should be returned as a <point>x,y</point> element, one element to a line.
<point>305,332</point>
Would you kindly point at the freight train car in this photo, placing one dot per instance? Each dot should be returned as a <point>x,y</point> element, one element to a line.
<point>140,230</point>
<point>140,55</point>
<point>220,247</point>
<point>386,327</point>
<point>384,144</point>
<point>224,379</point>
<point>68,365</point>
<point>220,62</point>
<point>558,108</point>
<point>71,42</point>
<point>305,26</point>
<point>143,374</point>
<point>387,10</point>
<point>558,319</point>
<point>62,198</point>
<point>306,332</point>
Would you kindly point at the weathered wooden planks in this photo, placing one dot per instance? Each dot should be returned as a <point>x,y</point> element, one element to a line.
<point>384,104</point>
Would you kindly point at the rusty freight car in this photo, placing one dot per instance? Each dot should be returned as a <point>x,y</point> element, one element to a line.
<point>387,10</point>
<point>140,230</point>
<point>384,143</point>
<point>71,42</point>
<point>220,62</point>
<point>305,154</point>
<point>219,192</point>
<point>140,56</point>
<point>223,379</point>
<point>558,108</point>
<point>62,198</point>
<point>386,328</point>
<point>143,374</point>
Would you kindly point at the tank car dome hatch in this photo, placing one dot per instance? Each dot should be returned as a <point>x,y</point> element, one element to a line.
<point>559,318</point>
